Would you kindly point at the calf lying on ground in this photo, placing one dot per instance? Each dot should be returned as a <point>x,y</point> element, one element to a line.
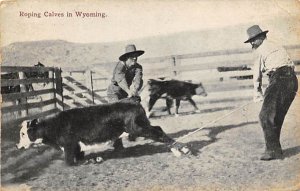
<point>89,125</point>
<point>170,89</point>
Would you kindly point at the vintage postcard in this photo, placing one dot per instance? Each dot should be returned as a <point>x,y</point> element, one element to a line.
<point>150,95</point>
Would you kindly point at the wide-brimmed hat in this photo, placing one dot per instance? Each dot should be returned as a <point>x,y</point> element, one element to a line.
<point>253,32</point>
<point>130,50</point>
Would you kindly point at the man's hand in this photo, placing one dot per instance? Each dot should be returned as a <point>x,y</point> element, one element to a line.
<point>136,99</point>
<point>258,97</point>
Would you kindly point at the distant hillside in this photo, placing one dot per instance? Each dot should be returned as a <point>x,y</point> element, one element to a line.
<point>66,54</point>
<point>54,53</point>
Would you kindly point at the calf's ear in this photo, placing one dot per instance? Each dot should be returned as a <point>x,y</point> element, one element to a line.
<point>34,122</point>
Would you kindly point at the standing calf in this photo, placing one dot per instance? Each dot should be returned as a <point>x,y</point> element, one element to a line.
<point>170,89</point>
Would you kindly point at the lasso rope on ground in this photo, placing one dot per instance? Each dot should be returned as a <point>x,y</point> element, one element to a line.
<point>212,122</point>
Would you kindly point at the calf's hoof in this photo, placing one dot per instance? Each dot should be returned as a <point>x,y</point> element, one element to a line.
<point>176,152</point>
<point>94,160</point>
<point>185,150</point>
<point>179,149</point>
<point>197,111</point>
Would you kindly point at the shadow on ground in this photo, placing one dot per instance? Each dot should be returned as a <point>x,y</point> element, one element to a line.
<point>24,165</point>
<point>287,153</point>
<point>162,113</point>
<point>29,164</point>
<point>196,146</point>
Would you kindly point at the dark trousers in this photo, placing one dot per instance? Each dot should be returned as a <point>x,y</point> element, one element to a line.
<point>279,95</point>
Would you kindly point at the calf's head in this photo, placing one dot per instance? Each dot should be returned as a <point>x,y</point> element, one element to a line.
<point>199,90</point>
<point>28,134</point>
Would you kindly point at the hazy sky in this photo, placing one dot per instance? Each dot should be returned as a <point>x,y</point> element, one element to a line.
<point>131,19</point>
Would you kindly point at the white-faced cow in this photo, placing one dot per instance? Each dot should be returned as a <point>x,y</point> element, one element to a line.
<point>90,125</point>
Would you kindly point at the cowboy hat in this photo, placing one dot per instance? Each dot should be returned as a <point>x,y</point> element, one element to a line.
<point>253,32</point>
<point>130,50</point>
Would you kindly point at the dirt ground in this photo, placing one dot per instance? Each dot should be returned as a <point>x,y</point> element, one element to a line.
<point>226,157</point>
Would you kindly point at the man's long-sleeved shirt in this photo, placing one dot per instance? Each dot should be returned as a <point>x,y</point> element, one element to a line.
<point>269,57</point>
<point>125,78</point>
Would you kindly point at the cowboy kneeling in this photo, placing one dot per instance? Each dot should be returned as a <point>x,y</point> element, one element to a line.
<point>280,93</point>
<point>127,77</point>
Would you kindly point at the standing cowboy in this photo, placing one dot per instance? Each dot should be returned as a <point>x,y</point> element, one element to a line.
<point>127,75</point>
<point>274,61</point>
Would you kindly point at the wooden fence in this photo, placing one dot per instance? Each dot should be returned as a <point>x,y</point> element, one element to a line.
<point>223,87</point>
<point>46,99</point>
<point>216,70</point>
<point>58,91</point>
<point>78,88</point>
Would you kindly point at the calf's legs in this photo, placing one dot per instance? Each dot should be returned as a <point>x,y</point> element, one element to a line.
<point>193,104</point>
<point>155,133</point>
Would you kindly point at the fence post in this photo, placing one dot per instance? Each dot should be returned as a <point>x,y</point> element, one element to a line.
<point>92,86</point>
<point>23,89</point>
<point>51,75</point>
<point>177,68</point>
<point>89,83</point>
<point>59,86</point>
<point>175,63</point>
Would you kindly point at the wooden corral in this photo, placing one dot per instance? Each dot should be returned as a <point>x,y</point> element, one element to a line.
<point>79,90</point>
<point>44,99</point>
<point>225,74</point>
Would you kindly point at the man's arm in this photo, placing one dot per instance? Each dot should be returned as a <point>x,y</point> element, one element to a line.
<point>119,77</point>
<point>137,80</point>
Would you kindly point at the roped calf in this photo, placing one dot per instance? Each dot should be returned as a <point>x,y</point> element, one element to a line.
<point>90,125</point>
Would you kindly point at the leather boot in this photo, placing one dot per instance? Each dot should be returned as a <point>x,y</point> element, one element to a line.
<point>271,155</point>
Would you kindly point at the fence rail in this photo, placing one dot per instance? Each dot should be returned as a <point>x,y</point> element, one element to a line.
<point>222,86</point>
<point>198,67</point>
<point>27,92</point>
<point>73,87</point>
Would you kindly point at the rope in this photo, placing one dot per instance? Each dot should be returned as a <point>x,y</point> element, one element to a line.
<point>222,117</point>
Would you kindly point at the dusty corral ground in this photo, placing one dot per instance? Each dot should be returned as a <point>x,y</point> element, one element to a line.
<point>226,157</point>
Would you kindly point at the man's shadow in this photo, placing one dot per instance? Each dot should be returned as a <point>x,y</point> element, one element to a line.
<point>289,152</point>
